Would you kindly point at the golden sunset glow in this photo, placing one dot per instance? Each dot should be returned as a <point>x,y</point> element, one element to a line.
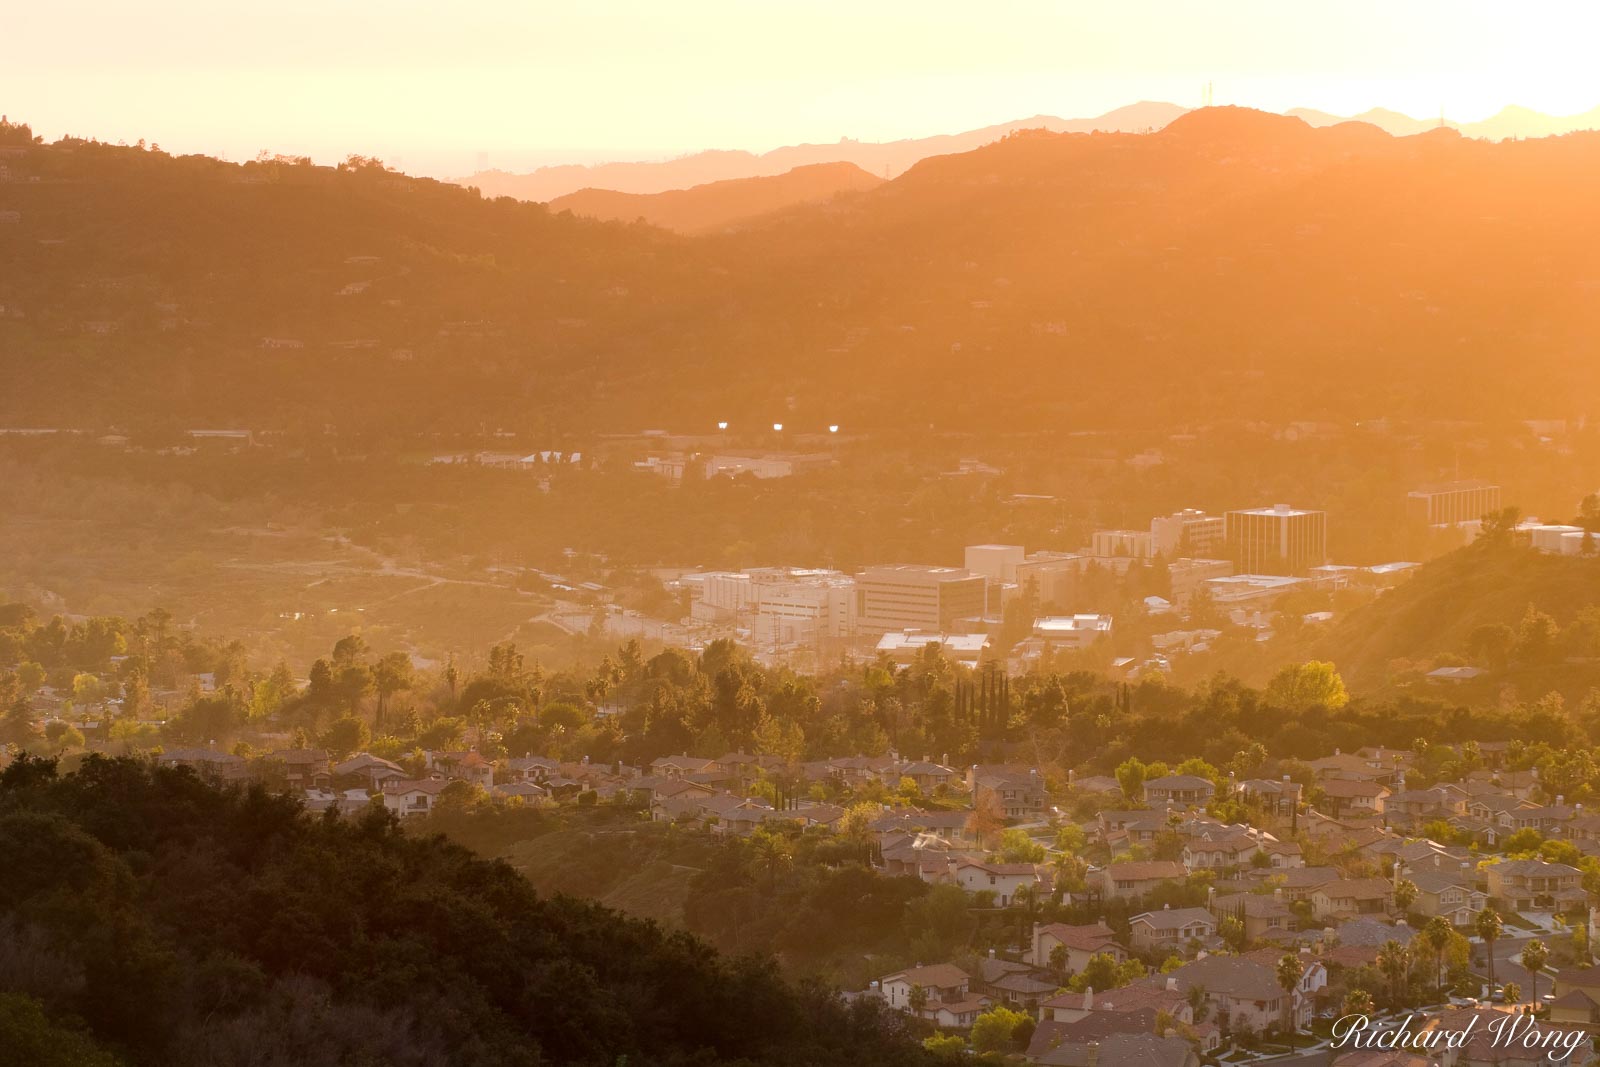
<point>531,82</point>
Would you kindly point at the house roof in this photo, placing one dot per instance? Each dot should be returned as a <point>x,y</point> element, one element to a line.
<point>1180,781</point>
<point>932,976</point>
<point>1174,918</point>
<point>1357,889</point>
<point>1146,1050</point>
<point>1147,871</point>
<point>1352,787</point>
<point>1232,976</point>
<point>1090,938</point>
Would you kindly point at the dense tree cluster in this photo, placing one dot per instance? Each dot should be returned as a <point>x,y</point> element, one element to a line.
<point>152,919</point>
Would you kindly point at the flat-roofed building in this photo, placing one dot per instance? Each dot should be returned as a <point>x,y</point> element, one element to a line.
<point>1277,540</point>
<point>1237,588</point>
<point>1452,503</point>
<point>1073,631</point>
<point>908,596</point>
<point>1131,544</point>
<point>998,563</point>
<point>1190,532</point>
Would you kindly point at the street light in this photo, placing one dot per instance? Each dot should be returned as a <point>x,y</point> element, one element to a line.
<point>777,427</point>
<point>834,428</point>
<point>722,425</point>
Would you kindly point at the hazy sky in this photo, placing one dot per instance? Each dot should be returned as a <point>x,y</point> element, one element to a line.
<point>433,84</point>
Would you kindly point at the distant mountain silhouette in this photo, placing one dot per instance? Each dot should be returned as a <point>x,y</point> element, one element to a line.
<point>886,158</point>
<point>891,158</point>
<point>1234,265</point>
<point>717,205</point>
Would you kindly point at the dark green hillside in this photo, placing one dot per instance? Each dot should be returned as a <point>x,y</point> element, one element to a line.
<point>160,921</point>
<point>1454,606</point>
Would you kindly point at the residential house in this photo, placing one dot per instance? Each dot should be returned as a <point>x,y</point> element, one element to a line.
<point>1137,879</point>
<point>1350,897</point>
<point>1229,847</point>
<point>365,767</point>
<point>1171,928</point>
<point>1243,993</point>
<point>1015,984</point>
<point>1016,795</point>
<point>413,797</point>
<point>1079,944</point>
<point>1577,998</point>
<point>947,988</point>
<point>1534,885</point>
<point>1265,916</point>
<point>1448,894</point>
<point>208,763</point>
<point>1179,790</point>
<point>928,776</point>
<point>1272,796</point>
<point>1345,797</point>
<point>305,768</point>
<point>1004,880</point>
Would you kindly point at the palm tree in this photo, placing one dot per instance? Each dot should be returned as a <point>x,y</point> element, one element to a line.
<point>1405,895</point>
<point>1289,972</point>
<point>1489,926</point>
<point>1394,960</point>
<point>1437,934</point>
<point>1358,1002</point>
<point>1534,956</point>
<point>917,999</point>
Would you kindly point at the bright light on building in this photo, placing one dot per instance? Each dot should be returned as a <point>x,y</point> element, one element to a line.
<point>833,428</point>
<point>722,426</point>
<point>778,426</point>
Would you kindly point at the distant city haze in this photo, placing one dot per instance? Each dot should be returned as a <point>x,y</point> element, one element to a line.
<point>450,90</point>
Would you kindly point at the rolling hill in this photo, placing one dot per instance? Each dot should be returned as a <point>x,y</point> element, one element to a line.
<point>1436,612</point>
<point>876,157</point>
<point>719,205</point>
<point>1235,264</point>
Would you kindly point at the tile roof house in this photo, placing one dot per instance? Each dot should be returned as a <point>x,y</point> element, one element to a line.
<point>1264,915</point>
<point>1137,879</point>
<point>1182,790</point>
<point>1350,796</point>
<point>1451,895</point>
<point>1528,885</point>
<point>1577,998</point>
<point>950,1001</point>
<point>1348,898</point>
<point>369,768</point>
<point>1171,928</point>
<point>1243,993</point>
<point>1078,943</point>
<point>414,797</point>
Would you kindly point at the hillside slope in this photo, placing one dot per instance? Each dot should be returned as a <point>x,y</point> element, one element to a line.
<point>1233,263</point>
<point>718,205</point>
<point>179,924</point>
<point>1436,612</point>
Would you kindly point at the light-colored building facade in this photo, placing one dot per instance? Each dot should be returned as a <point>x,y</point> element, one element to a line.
<point>1277,540</point>
<point>913,597</point>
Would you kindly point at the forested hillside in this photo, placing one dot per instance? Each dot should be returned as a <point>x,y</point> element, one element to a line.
<point>1522,616</point>
<point>148,918</point>
<point>1234,263</point>
<point>717,205</point>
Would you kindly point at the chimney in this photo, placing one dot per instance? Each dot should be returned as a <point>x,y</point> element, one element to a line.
<point>1088,998</point>
<point>1560,799</point>
<point>1172,984</point>
<point>1277,893</point>
<point>1092,1059</point>
<point>991,954</point>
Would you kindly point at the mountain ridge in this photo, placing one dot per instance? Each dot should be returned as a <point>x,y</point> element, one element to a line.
<point>724,203</point>
<point>891,158</point>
